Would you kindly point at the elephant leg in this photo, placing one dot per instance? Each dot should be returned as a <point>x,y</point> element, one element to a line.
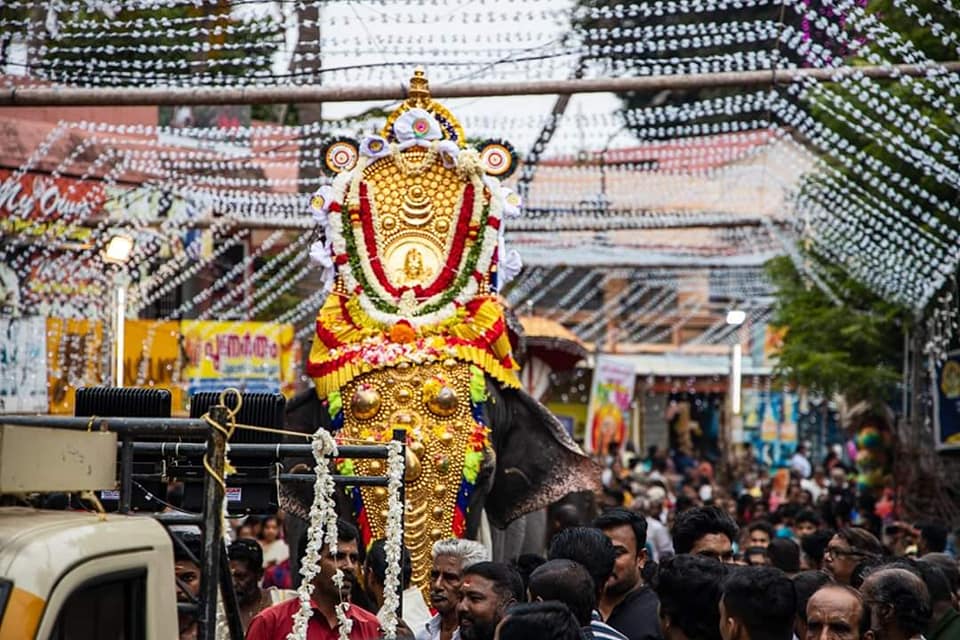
<point>536,533</point>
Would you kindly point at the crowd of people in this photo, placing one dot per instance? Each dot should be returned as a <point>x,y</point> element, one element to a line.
<point>668,554</point>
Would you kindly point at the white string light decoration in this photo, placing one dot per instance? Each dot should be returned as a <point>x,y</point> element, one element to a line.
<point>758,171</point>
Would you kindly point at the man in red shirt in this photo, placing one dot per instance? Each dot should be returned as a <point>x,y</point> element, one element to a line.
<point>274,623</point>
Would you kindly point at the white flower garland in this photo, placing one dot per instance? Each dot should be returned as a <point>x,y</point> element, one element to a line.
<point>394,541</point>
<point>323,529</point>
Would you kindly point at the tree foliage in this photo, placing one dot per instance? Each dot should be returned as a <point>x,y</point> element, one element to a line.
<point>854,348</point>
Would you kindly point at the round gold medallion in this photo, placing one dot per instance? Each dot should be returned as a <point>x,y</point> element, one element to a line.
<point>365,402</point>
<point>444,403</point>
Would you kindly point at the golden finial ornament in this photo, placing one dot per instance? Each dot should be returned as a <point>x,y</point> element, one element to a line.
<point>419,93</point>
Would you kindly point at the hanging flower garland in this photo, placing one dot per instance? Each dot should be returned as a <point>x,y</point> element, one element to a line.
<point>394,541</point>
<point>322,531</point>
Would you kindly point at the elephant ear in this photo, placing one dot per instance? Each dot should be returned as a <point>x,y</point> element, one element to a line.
<point>537,461</point>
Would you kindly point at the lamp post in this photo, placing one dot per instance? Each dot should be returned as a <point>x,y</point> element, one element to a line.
<point>735,318</point>
<point>118,252</point>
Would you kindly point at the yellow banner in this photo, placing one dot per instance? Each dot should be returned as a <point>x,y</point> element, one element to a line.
<point>151,357</point>
<point>74,359</point>
<point>246,355</point>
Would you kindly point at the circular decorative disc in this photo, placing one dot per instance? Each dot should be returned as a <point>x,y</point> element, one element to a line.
<point>341,155</point>
<point>421,127</point>
<point>444,403</point>
<point>498,158</point>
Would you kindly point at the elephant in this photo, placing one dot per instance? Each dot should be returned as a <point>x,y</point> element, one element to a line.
<point>532,463</point>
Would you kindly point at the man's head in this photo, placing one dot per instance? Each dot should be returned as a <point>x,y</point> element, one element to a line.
<point>346,559</point>
<point>568,582</point>
<point>185,567</point>
<point>805,523</point>
<point>946,563</point>
<point>933,538</point>
<point>756,557</point>
<point>589,547</point>
<point>758,603</point>
<point>898,601</point>
<point>938,586</point>
<point>246,566</point>
<point>450,558</point>
<point>784,554</point>
<point>705,531</point>
<point>525,564</point>
<point>846,549</point>
<point>805,584</point>
<point>487,590</point>
<point>375,570</point>
<point>186,571</point>
<point>837,612</point>
<point>814,546</point>
<point>627,531</point>
<point>759,533</point>
<point>688,583</point>
<point>540,620</point>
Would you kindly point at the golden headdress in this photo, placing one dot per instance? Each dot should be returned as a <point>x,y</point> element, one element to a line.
<point>414,247</point>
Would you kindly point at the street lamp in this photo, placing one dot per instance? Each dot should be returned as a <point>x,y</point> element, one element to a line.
<point>735,318</point>
<point>118,251</point>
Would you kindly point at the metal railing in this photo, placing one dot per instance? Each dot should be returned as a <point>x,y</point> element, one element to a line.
<point>213,561</point>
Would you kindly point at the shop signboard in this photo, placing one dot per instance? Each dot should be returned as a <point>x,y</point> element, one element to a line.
<point>245,355</point>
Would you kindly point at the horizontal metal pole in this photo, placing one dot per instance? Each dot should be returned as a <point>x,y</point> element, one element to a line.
<point>57,96</point>
<point>122,426</point>
<point>179,519</point>
<point>235,480</point>
<point>343,481</point>
<point>261,450</point>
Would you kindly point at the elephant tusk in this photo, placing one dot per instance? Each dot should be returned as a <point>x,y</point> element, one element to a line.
<point>518,471</point>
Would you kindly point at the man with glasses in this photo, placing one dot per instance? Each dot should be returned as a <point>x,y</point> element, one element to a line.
<point>849,547</point>
<point>705,531</point>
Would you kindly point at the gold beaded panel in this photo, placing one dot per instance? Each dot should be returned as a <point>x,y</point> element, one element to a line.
<point>431,402</point>
<point>415,202</point>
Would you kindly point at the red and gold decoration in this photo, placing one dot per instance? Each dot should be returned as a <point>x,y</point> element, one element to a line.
<point>413,325</point>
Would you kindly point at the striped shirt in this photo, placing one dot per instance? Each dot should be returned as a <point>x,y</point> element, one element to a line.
<point>600,630</point>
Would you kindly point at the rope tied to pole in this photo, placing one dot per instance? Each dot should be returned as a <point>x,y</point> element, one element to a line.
<point>227,432</point>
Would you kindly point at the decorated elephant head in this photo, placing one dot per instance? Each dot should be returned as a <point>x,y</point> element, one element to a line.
<point>413,333</point>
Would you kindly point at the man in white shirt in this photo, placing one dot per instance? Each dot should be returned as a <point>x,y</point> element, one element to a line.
<point>799,462</point>
<point>451,557</point>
